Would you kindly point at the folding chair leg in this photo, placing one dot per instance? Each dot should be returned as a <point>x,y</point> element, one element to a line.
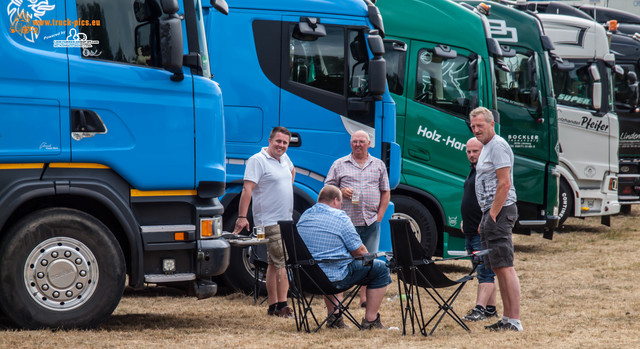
<point>445,306</point>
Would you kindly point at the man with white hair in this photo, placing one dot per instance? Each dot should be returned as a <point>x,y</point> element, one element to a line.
<point>364,183</point>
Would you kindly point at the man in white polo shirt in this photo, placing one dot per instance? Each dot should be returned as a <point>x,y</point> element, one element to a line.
<point>268,179</point>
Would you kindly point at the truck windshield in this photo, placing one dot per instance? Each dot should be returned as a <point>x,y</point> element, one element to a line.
<point>443,83</point>
<point>573,88</point>
<point>517,85</point>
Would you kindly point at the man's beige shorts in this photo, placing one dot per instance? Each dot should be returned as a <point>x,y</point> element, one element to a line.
<point>275,255</point>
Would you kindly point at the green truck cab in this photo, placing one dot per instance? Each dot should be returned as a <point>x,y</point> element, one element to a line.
<point>437,73</point>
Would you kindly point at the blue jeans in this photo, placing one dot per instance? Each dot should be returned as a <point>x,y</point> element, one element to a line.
<point>370,236</point>
<point>473,243</point>
<point>373,277</point>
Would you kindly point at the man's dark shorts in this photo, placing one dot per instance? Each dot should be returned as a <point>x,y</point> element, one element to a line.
<point>497,237</point>
<point>376,277</point>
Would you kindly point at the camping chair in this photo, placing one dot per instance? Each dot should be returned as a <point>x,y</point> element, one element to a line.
<point>308,280</point>
<point>259,260</point>
<point>417,271</point>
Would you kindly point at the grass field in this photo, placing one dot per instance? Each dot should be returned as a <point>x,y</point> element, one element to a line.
<point>578,291</point>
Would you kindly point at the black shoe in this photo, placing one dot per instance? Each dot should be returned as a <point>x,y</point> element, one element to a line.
<point>510,327</point>
<point>490,314</point>
<point>498,326</point>
<point>476,315</point>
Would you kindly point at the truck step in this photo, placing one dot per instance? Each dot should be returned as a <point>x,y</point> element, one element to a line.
<point>167,228</point>
<point>162,278</point>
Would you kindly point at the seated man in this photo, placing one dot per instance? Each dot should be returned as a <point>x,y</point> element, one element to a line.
<point>329,234</point>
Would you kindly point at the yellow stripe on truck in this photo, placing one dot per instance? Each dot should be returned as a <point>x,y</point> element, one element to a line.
<point>20,166</point>
<point>76,165</point>
<point>139,193</point>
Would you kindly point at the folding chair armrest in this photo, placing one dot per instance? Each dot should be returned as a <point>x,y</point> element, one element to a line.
<point>368,258</point>
<point>476,256</point>
<point>481,252</point>
<point>318,261</point>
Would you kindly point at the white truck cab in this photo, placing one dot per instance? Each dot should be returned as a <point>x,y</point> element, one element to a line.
<point>588,128</point>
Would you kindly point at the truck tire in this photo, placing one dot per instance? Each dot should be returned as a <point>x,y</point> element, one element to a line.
<point>565,202</point>
<point>60,268</point>
<point>240,276</point>
<point>420,219</point>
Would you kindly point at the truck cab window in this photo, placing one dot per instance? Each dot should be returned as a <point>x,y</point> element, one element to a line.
<point>126,30</point>
<point>318,61</point>
<point>518,85</point>
<point>573,88</point>
<point>444,83</point>
<point>395,67</point>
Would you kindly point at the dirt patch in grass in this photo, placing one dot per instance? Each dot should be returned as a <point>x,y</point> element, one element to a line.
<point>578,290</point>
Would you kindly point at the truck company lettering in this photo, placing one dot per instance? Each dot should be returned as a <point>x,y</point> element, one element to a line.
<point>574,99</point>
<point>629,136</point>
<point>588,123</point>
<point>523,141</point>
<point>436,137</point>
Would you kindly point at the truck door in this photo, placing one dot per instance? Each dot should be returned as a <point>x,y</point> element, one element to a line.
<point>327,71</point>
<point>439,99</point>
<point>584,132</point>
<point>34,102</point>
<point>520,92</point>
<point>126,112</point>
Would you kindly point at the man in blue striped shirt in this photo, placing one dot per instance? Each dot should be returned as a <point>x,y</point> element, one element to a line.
<point>329,234</point>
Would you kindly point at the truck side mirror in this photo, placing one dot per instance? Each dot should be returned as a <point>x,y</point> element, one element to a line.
<point>507,51</point>
<point>634,97</point>
<point>310,26</point>
<point>445,51</point>
<point>596,96</point>
<point>494,47</point>
<point>171,47</point>
<point>377,77</point>
<point>547,43</point>
<point>533,70</point>
<point>221,6</point>
<point>473,72</point>
<point>376,45</point>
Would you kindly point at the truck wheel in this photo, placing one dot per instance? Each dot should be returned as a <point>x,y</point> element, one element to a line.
<point>565,201</point>
<point>240,276</point>
<point>420,219</point>
<point>60,268</point>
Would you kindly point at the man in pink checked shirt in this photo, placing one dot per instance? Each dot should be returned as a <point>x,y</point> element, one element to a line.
<point>364,183</point>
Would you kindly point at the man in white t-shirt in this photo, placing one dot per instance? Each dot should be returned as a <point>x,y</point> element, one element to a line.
<point>497,199</point>
<point>268,179</point>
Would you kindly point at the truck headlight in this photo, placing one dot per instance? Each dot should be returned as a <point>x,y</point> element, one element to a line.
<point>211,227</point>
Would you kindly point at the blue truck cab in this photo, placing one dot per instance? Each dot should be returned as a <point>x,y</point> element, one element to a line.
<point>112,157</point>
<point>313,66</point>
